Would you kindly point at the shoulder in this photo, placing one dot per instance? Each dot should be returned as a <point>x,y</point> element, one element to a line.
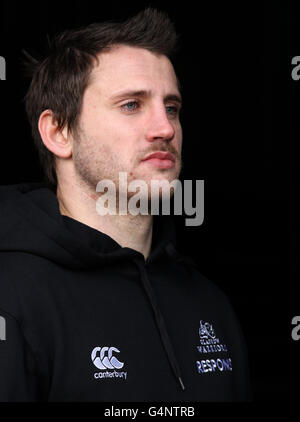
<point>8,294</point>
<point>200,280</point>
<point>21,274</point>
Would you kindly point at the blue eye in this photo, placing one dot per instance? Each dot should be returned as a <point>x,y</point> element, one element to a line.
<point>172,110</point>
<point>130,106</point>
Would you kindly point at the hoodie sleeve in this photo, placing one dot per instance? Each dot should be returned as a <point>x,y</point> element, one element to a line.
<point>245,388</point>
<point>18,381</point>
<point>241,357</point>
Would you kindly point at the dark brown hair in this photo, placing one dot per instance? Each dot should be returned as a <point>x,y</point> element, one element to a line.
<point>59,80</point>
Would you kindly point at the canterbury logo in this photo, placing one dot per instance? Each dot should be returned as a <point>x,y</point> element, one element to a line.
<point>103,358</point>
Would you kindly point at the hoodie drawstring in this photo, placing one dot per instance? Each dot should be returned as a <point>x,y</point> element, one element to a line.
<point>160,323</point>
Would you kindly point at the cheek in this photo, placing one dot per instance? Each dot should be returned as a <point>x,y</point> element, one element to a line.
<point>179,139</point>
<point>100,124</point>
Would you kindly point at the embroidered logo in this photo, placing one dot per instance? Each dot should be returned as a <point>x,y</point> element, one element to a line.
<point>102,361</point>
<point>206,331</point>
<point>210,343</point>
<point>103,358</point>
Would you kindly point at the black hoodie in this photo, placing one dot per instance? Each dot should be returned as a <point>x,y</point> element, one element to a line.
<point>83,319</point>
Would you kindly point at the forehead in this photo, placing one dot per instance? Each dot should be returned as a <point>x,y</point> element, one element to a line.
<point>130,67</point>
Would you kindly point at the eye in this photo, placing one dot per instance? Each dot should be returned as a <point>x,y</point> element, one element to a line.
<point>173,110</point>
<point>130,106</point>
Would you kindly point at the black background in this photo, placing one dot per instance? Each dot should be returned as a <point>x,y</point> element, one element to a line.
<point>240,125</point>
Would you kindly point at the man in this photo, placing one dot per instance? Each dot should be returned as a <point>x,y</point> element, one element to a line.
<point>103,307</point>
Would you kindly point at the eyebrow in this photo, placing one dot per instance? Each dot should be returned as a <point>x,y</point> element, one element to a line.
<point>144,94</point>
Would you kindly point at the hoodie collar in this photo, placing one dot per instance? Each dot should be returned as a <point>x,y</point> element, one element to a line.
<point>67,240</point>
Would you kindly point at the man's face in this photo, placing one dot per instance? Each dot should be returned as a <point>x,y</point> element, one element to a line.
<point>130,109</point>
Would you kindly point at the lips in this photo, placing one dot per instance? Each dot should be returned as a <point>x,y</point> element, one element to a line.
<point>161,156</point>
<point>160,159</point>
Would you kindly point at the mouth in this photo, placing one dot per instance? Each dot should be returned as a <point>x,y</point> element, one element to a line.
<point>160,159</point>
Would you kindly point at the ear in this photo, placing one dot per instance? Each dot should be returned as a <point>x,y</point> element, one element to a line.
<point>56,140</point>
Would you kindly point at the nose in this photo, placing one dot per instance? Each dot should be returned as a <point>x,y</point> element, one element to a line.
<point>159,125</point>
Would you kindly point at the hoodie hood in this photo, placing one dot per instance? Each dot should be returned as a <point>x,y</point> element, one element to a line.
<point>31,222</point>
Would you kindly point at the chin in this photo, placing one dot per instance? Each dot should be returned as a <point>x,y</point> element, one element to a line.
<point>168,176</point>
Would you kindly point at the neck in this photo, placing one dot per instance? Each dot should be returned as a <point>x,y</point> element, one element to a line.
<point>79,202</point>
